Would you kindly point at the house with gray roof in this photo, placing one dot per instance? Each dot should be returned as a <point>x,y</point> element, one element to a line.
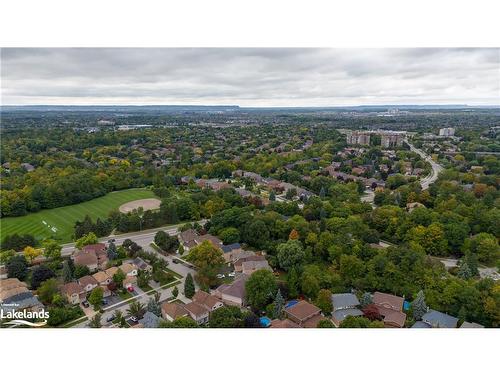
<point>437,319</point>
<point>344,305</point>
<point>150,320</point>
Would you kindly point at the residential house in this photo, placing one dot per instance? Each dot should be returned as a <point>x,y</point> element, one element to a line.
<point>437,319</point>
<point>15,296</point>
<point>88,283</point>
<point>304,314</point>
<point>245,256</point>
<point>471,325</point>
<point>197,312</point>
<point>208,237</point>
<point>172,311</point>
<point>186,239</point>
<point>234,293</point>
<point>250,266</point>
<point>129,281</point>
<point>74,293</point>
<point>93,256</point>
<point>129,269</point>
<point>111,271</point>
<point>231,251</point>
<point>285,323</point>
<point>391,308</point>
<point>150,320</point>
<point>344,305</point>
<point>206,300</point>
<point>102,278</point>
<point>142,265</point>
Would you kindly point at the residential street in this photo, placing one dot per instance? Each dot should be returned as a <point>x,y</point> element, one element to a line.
<point>436,168</point>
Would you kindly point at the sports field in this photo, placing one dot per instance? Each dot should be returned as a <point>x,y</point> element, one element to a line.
<point>59,222</point>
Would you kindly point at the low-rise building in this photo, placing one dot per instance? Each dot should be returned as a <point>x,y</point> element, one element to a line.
<point>88,283</point>
<point>391,308</point>
<point>74,293</point>
<point>172,311</point>
<point>234,293</point>
<point>304,314</point>
<point>207,301</point>
<point>344,305</point>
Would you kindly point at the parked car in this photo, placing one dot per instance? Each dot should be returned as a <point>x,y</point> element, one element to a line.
<point>220,276</point>
<point>110,318</point>
<point>231,274</point>
<point>130,288</point>
<point>104,302</point>
<point>176,261</point>
<point>134,319</point>
<point>85,304</point>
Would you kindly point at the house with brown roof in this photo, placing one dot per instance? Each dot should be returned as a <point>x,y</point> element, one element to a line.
<point>208,237</point>
<point>102,278</point>
<point>15,296</point>
<point>285,323</point>
<point>245,256</point>
<point>111,271</point>
<point>206,300</point>
<point>129,269</point>
<point>250,266</point>
<point>197,312</point>
<point>186,239</point>
<point>93,256</point>
<point>74,293</point>
<point>234,293</point>
<point>11,287</point>
<point>391,308</point>
<point>172,311</point>
<point>88,283</point>
<point>129,281</point>
<point>304,314</point>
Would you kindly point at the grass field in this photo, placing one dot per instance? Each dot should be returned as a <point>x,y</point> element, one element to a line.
<point>64,218</point>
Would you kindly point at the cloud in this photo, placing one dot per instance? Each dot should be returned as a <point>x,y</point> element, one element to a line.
<point>250,77</point>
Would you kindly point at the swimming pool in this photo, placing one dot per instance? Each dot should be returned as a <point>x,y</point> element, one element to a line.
<point>265,321</point>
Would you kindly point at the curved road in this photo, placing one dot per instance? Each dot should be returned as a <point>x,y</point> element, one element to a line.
<point>436,168</point>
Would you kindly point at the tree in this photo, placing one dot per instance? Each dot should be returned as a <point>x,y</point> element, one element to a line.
<point>112,252</point>
<point>47,290</point>
<point>372,312</point>
<point>351,268</point>
<point>272,196</point>
<point>260,287</point>
<point>175,292</point>
<point>279,303</point>
<point>136,309</point>
<point>95,298</point>
<point>119,318</point>
<point>118,277</point>
<point>52,249</point>
<point>229,235</point>
<point>485,245</point>
<point>324,301</point>
<point>227,317</point>
<point>87,239</point>
<point>208,259</point>
<point>17,267</point>
<point>325,323</point>
<point>294,235</point>
<point>189,286</point>
<point>95,322</point>
<point>154,306</point>
<point>67,273</point>
<point>143,279</point>
<point>290,254</point>
<point>292,282</point>
<point>31,253</point>
<point>39,274</point>
<point>80,271</point>
<point>360,322</point>
<point>366,299</point>
<point>419,306</point>
<point>183,322</point>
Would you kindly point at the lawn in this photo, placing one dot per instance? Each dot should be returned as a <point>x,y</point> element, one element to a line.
<point>64,218</point>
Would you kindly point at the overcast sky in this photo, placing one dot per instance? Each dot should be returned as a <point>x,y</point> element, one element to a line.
<point>250,77</point>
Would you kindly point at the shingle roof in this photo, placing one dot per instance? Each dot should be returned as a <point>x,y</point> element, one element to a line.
<point>236,288</point>
<point>343,300</point>
<point>471,325</point>
<point>231,247</point>
<point>72,288</point>
<point>150,320</point>
<point>303,310</point>
<point>86,280</point>
<point>388,300</point>
<point>439,319</point>
<point>174,310</point>
<point>340,315</point>
<point>286,323</point>
<point>196,309</point>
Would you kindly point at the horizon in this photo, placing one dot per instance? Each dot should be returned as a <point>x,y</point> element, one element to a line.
<point>251,77</point>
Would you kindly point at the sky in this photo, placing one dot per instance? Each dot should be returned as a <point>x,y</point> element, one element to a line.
<point>261,77</point>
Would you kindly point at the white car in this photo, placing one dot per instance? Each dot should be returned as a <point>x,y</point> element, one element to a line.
<point>220,276</point>
<point>231,274</point>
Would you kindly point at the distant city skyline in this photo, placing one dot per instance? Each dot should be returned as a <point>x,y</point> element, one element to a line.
<point>255,77</point>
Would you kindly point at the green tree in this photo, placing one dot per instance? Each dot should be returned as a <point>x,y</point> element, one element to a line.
<point>67,273</point>
<point>118,277</point>
<point>351,268</point>
<point>227,317</point>
<point>52,249</point>
<point>325,323</point>
<point>95,322</point>
<point>87,239</point>
<point>153,305</point>
<point>175,292</point>
<point>136,309</point>
<point>189,286</point>
<point>324,301</point>
<point>290,254</point>
<point>47,290</point>
<point>419,306</point>
<point>279,304</point>
<point>260,287</point>
<point>183,322</point>
<point>80,271</point>
<point>229,235</point>
<point>366,299</point>
<point>208,259</point>
<point>486,247</point>
<point>17,267</point>
<point>293,283</point>
<point>95,298</point>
